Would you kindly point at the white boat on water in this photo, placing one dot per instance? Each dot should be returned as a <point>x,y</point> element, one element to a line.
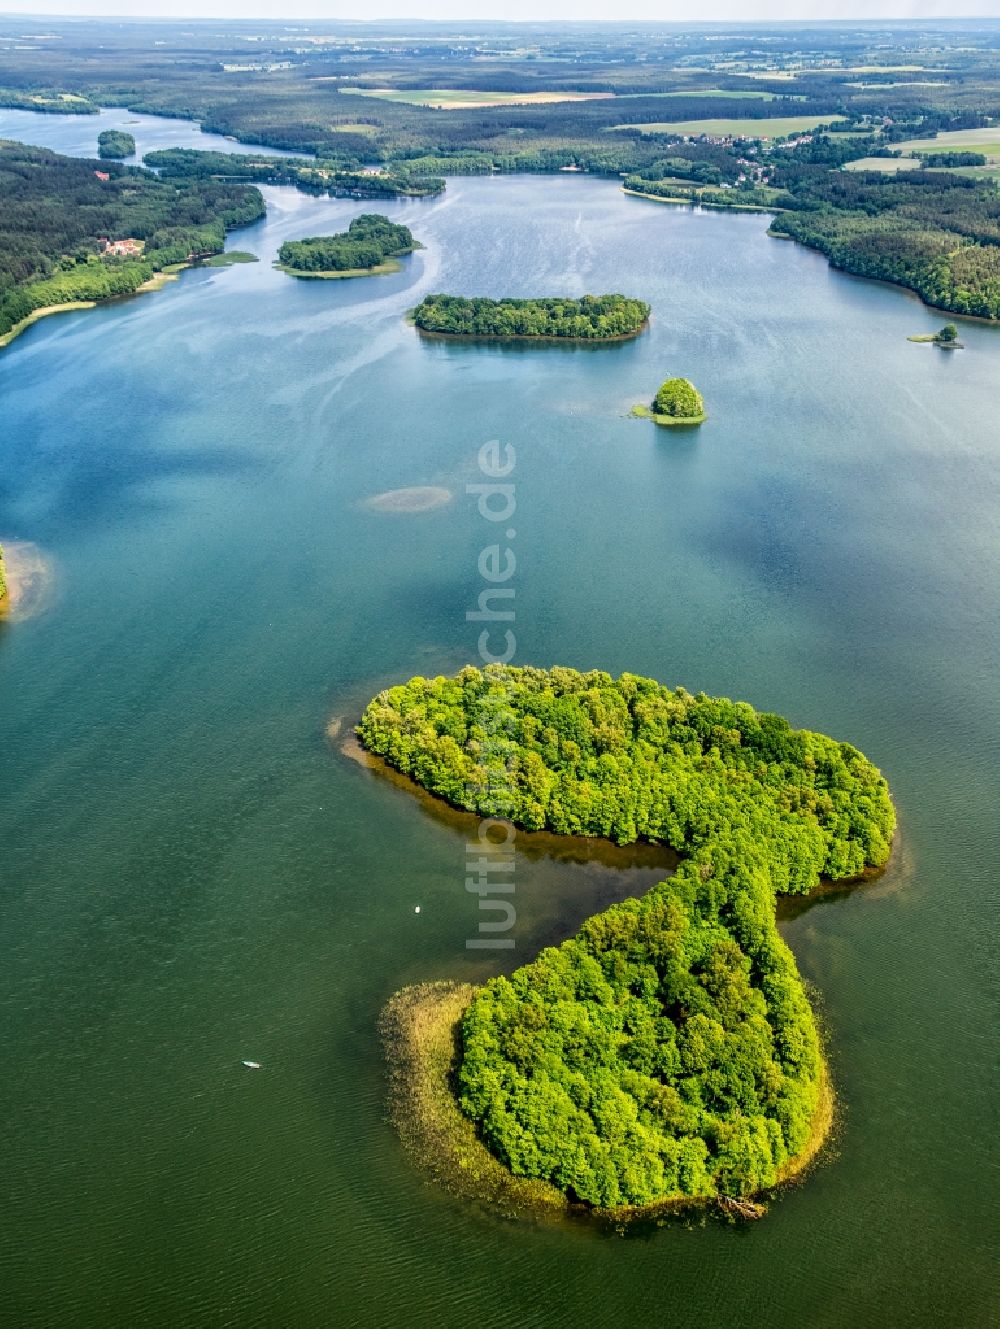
<point>252,1065</point>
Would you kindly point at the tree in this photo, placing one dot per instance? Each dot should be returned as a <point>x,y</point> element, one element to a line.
<point>948,333</point>
<point>679,399</point>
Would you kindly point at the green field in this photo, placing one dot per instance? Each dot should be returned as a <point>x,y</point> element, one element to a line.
<point>957,140</point>
<point>887,165</point>
<point>773,127</point>
<point>462,98</point>
<point>736,94</point>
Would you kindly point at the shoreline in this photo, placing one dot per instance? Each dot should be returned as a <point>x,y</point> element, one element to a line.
<point>155,283</point>
<point>29,577</point>
<point>45,311</point>
<point>641,412</point>
<point>885,281</point>
<point>706,203</point>
<point>380,270</point>
<point>431,335</point>
<point>419,1027</point>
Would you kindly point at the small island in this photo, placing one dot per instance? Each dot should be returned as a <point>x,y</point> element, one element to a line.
<point>115,144</point>
<point>370,246</point>
<point>591,318</point>
<point>678,402</point>
<point>947,337</point>
<point>667,1054</point>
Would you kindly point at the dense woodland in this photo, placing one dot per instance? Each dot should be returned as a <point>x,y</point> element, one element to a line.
<point>115,144</point>
<point>668,1049</point>
<point>368,242</point>
<point>55,212</point>
<point>591,318</point>
<point>936,233</point>
<point>341,177</point>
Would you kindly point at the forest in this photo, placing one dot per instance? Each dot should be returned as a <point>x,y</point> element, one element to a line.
<point>590,318</point>
<point>668,1049</point>
<point>56,212</point>
<point>368,242</point>
<point>936,233</point>
<point>339,176</point>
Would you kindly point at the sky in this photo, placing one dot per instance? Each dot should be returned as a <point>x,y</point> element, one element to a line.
<point>617,10</point>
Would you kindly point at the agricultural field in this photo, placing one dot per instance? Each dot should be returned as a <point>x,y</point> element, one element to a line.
<point>464,99</point>
<point>887,165</point>
<point>986,141</point>
<point>771,127</point>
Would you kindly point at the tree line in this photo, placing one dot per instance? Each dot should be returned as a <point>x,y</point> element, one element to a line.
<point>368,241</point>
<point>590,318</point>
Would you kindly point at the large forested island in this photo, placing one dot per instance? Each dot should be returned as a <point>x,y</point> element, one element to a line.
<point>73,231</point>
<point>590,318</point>
<point>668,1051</point>
<point>371,244</point>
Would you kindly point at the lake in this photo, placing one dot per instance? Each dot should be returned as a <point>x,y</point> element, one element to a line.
<point>193,875</point>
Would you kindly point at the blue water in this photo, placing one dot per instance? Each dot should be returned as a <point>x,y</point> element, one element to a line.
<point>192,874</point>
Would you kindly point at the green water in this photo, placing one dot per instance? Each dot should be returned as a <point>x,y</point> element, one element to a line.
<point>193,875</point>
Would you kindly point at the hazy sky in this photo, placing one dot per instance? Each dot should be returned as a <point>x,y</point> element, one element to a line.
<point>686,10</point>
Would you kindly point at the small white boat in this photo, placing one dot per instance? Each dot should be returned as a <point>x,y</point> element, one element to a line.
<point>252,1065</point>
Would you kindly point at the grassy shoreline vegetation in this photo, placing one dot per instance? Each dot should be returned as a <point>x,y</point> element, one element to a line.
<point>668,1051</point>
<point>370,245</point>
<point>591,318</point>
<point>421,1031</point>
<point>678,403</point>
<point>3,582</point>
<point>58,215</point>
<point>946,337</point>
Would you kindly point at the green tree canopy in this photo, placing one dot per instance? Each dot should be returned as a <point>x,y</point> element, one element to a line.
<point>590,318</point>
<point>679,399</point>
<point>668,1049</point>
<point>115,143</point>
<point>368,242</point>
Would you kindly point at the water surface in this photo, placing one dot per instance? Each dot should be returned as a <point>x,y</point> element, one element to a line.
<point>192,875</point>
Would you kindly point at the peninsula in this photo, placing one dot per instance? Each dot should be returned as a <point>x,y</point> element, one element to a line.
<point>946,337</point>
<point>668,1052</point>
<point>74,234</point>
<point>678,402</point>
<point>592,318</point>
<point>369,246</point>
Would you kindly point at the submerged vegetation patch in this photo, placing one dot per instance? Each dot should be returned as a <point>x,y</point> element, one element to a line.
<point>668,1051</point>
<point>417,498</point>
